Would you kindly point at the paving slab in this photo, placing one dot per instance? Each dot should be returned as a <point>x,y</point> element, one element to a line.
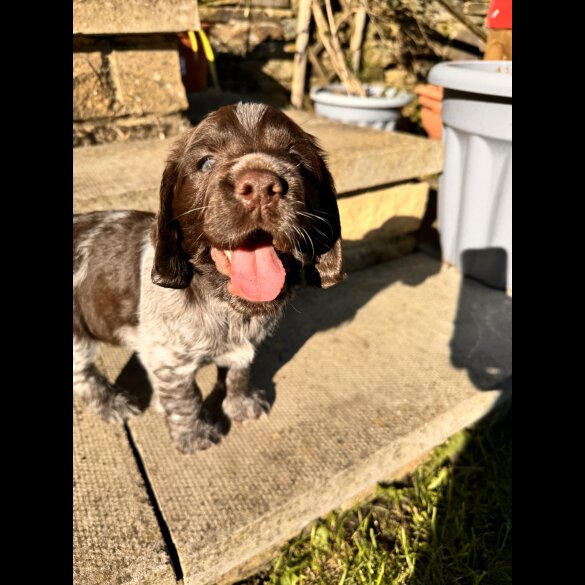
<point>128,174</point>
<point>367,376</point>
<point>116,537</point>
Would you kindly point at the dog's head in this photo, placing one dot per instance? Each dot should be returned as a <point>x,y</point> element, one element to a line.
<point>246,196</point>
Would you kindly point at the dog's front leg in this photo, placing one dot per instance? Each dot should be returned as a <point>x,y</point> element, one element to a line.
<point>241,402</point>
<point>174,386</point>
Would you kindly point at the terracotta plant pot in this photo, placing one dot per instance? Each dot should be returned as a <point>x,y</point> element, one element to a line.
<point>430,98</point>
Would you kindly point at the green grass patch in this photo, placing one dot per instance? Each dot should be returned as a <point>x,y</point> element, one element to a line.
<point>450,522</point>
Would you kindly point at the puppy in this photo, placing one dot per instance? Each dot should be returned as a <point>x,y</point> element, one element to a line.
<point>246,204</point>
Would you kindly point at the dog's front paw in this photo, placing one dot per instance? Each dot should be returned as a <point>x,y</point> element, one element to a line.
<point>203,436</point>
<point>241,407</point>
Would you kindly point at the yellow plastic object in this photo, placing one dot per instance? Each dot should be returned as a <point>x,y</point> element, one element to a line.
<point>206,46</point>
<point>210,57</point>
<point>193,40</point>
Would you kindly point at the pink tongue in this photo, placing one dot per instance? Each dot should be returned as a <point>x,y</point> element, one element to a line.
<point>256,274</point>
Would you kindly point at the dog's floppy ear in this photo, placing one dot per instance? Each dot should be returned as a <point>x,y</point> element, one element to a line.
<point>171,267</point>
<point>329,267</point>
<point>325,233</point>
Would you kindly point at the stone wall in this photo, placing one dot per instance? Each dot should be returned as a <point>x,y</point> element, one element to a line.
<point>126,75</point>
<point>126,88</point>
<point>255,46</point>
<point>126,72</point>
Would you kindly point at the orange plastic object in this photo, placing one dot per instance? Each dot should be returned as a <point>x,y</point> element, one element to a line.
<point>430,98</point>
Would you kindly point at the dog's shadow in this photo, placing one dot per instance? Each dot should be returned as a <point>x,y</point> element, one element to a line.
<point>310,312</point>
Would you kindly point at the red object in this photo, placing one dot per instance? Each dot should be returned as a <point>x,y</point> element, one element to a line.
<point>193,65</point>
<point>499,14</point>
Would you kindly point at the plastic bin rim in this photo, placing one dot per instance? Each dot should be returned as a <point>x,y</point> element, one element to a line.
<point>480,77</point>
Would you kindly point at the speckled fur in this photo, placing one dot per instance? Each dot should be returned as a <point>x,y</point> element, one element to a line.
<point>148,282</point>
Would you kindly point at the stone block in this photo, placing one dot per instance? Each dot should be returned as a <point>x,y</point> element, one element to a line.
<point>91,17</point>
<point>240,37</point>
<point>377,226</point>
<point>110,84</point>
<point>265,31</point>
<point>280,70</point>
<point>212,14</point>
<point>148,82</point>
<point>384,213</point>
<point>106,130</point>
<point>230,37</point>
<point>94,94</point>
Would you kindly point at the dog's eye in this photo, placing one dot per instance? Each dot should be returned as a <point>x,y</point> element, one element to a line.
<point>206,164</point>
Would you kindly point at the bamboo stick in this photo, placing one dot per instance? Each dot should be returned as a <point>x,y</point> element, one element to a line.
<point>335,53</point>
<point>357,38</point>
<point>325,78</point>
<point>300,61</point>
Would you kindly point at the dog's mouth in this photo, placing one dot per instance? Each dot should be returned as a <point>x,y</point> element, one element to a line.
<point>254,268</point>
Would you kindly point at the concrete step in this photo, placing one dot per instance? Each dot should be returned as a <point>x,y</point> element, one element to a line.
<point>128,174</point>
<point>367,376</point>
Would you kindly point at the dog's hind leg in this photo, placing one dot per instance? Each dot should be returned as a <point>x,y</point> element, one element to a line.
<point>105,399</point>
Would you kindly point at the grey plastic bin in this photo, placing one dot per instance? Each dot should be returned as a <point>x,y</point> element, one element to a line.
<point>475,189</point>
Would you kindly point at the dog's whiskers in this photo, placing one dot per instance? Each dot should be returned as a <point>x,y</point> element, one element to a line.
<point>308,237</point>
<point>190,211</point>
<point>308,214</point>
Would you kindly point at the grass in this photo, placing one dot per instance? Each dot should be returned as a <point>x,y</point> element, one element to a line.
<point>450,522</point>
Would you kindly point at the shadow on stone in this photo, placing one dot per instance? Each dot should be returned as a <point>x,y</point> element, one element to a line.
<point>481,342</point>
<point>135,383</point>
<point>393,239</point>
<point>134,380</point>
<point>313,310</point>
<point>212,404</point>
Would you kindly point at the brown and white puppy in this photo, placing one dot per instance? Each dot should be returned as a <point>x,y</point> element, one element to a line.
<point>246,203</point>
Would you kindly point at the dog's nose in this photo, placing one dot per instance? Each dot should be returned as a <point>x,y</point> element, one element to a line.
<point>259,187</point>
